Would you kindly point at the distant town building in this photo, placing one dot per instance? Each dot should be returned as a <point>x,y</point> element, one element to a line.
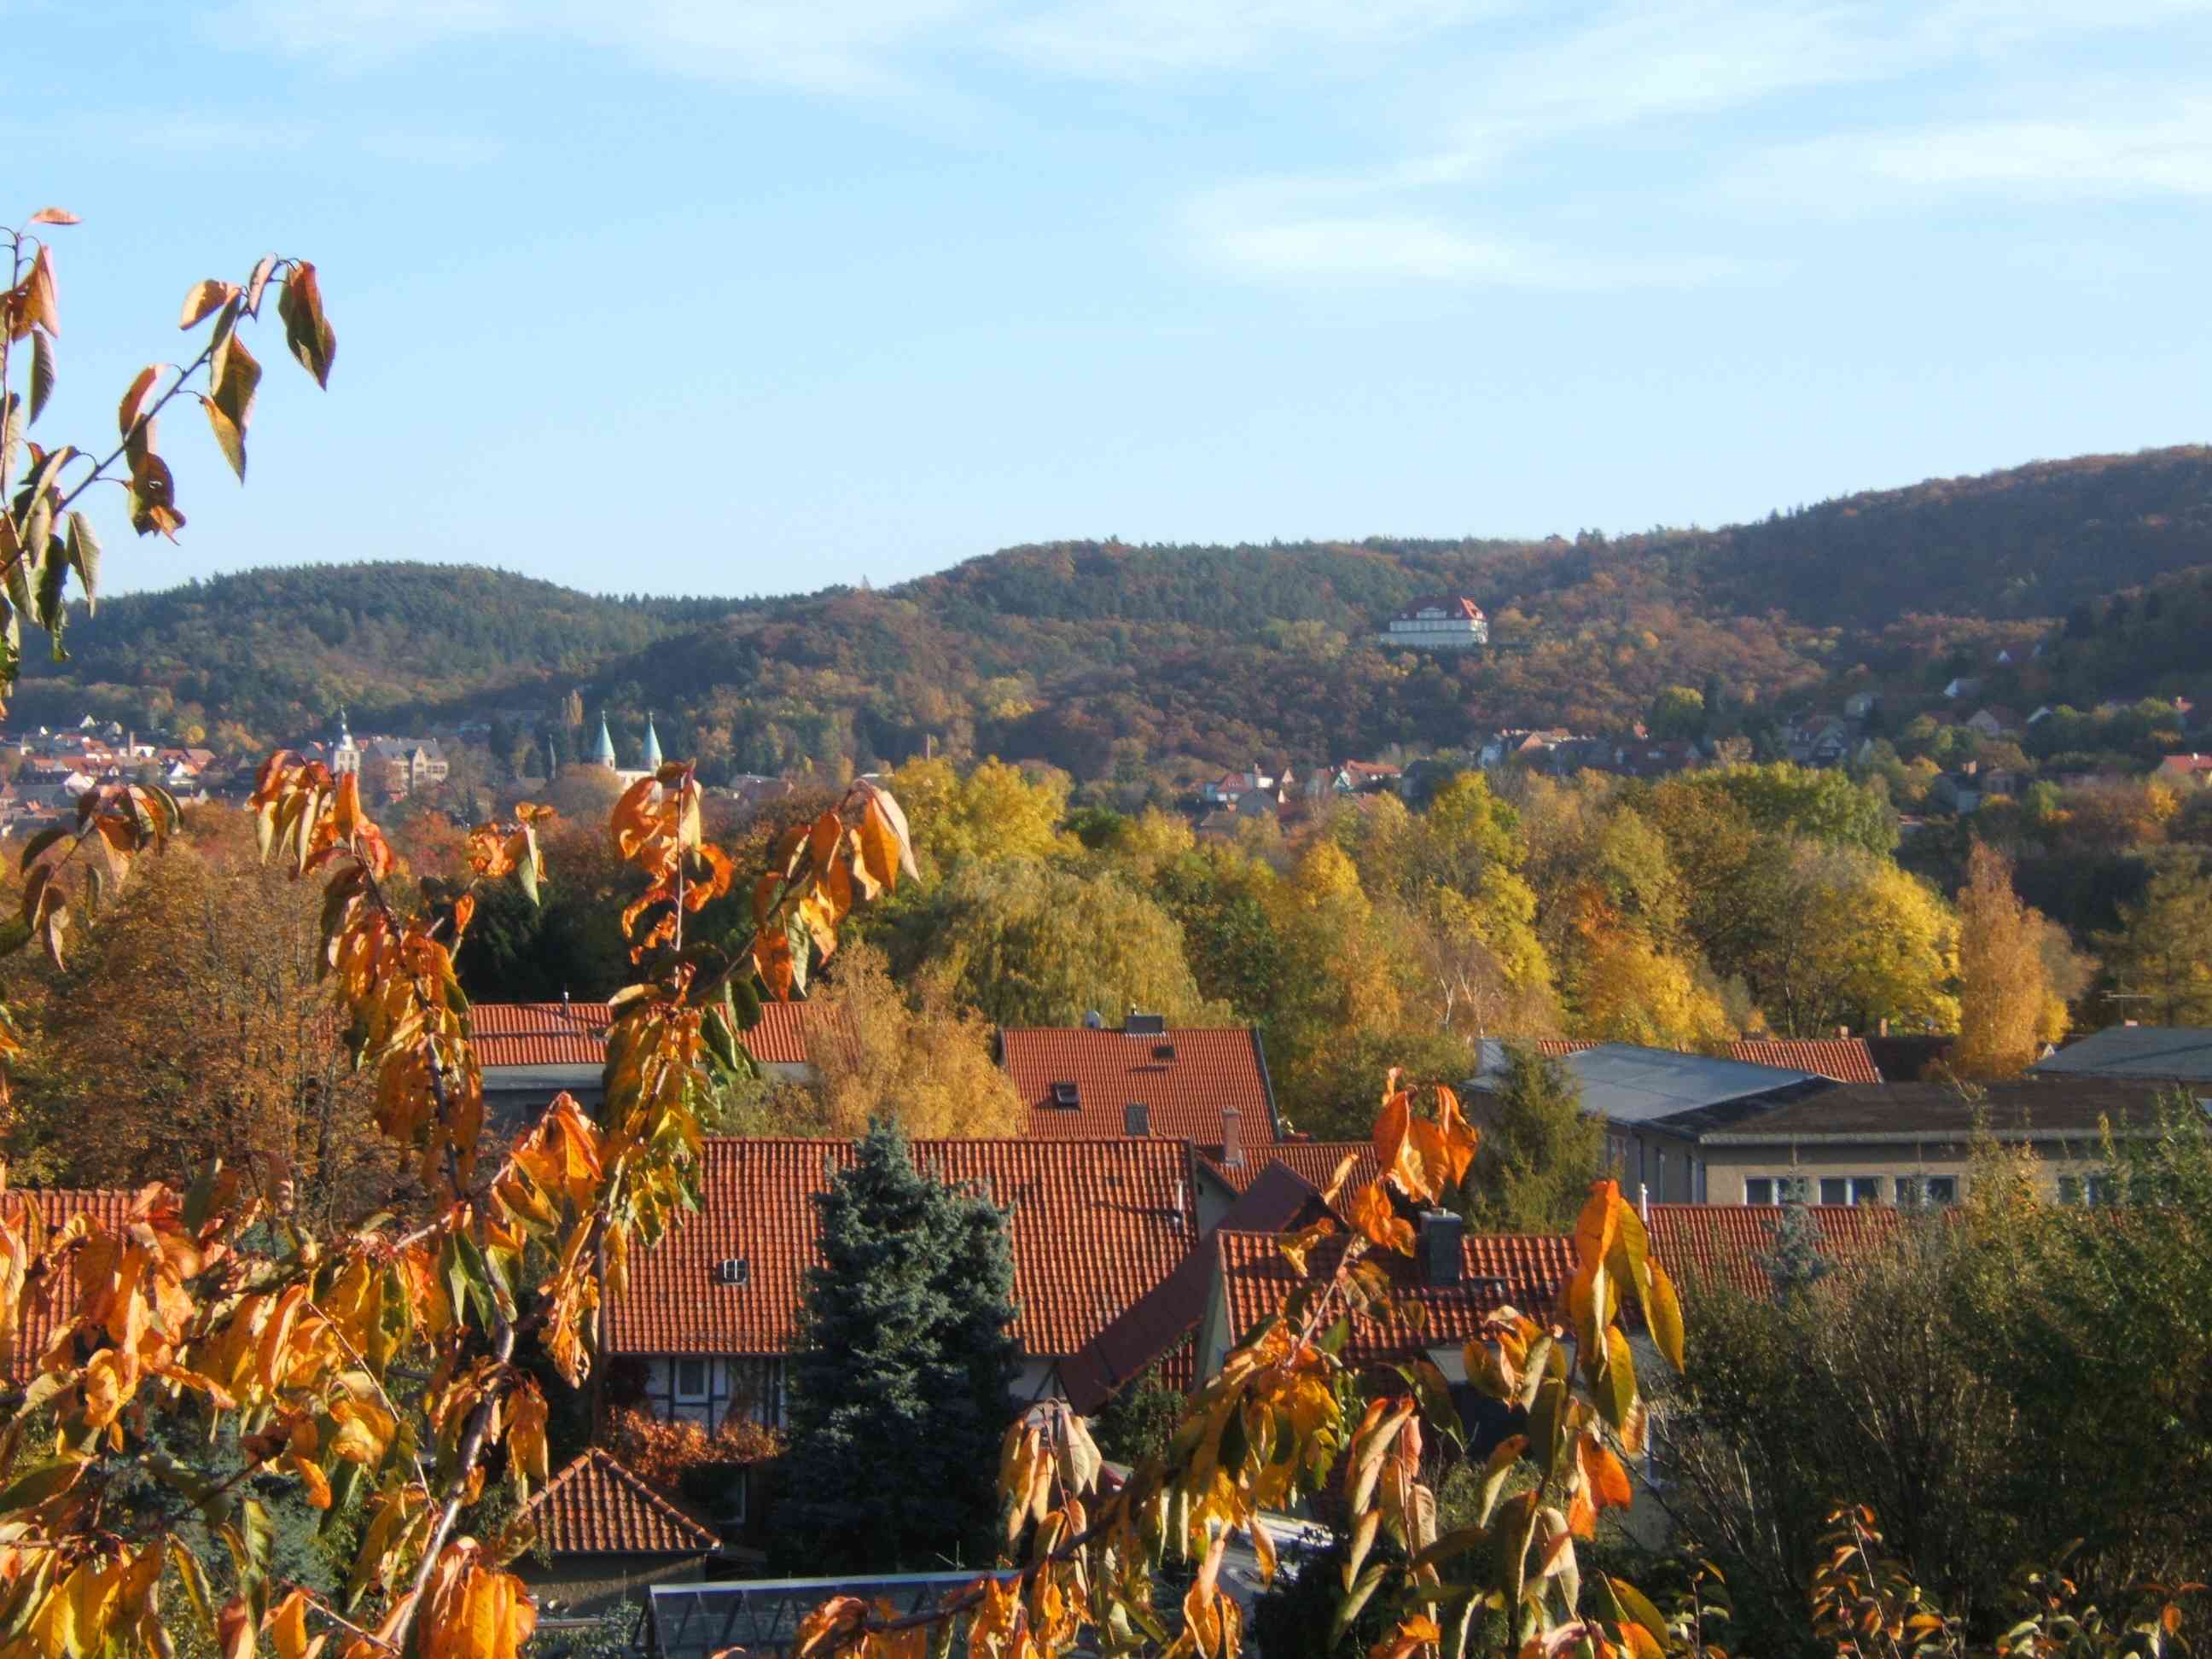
<point>400,766</point>
<point>1443,623</point>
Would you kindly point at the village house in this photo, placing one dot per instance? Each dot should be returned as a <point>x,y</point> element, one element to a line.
<point>1995,720</point>
<point>1205,1086</point>
<point>1914,1143</point>
<point>1231,787</point>
<point>2192,769</point>
<point>711,1311</point>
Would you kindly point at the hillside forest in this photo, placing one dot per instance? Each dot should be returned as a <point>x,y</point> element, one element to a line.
<point>1142,670</point>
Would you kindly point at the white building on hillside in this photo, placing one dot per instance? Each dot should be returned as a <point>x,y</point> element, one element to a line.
<point>1447,623</point>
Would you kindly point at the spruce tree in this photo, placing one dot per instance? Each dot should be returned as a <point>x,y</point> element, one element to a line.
<point>900,1376</point>
<point>1539,1149</point>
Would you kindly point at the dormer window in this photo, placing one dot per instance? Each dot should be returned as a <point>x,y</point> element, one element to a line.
<point>1164,1051</point>
<point>1064,1097</point>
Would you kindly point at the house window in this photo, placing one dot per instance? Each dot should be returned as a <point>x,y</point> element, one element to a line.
<point>1850,1189</point>
<point>690,1380</point>
<point>1914,1190</point>
<point>1759,1189</point>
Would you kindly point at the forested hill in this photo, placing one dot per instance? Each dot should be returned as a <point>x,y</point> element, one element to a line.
<point>277,650</point>
<point>1108,659</point>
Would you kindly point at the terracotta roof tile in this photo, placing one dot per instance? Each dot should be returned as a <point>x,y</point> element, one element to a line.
<point>1185,1079</point>
<point>1097,1224</point>
<point>574,1033</point>
<point>1847,1060</point>
<point>1560,1047</point>
<point>1157,1327</point>
<point>1723,1242</point>
<point>46,1305</point>
<point>596,1507</point>
<point>1525,1271</point>
<point>1313,1161</point>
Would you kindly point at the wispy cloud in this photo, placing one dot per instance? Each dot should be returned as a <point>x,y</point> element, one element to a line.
<point>2112,152</point>
<point>1705,113</point>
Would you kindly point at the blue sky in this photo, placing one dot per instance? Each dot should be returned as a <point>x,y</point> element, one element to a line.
<point>752,296</point>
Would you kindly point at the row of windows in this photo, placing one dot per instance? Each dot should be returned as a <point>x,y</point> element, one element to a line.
<point>1909,1190</point>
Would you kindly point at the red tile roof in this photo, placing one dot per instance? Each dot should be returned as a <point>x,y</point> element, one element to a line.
<point>574,1033</point>
<point>1525,1271</point>
<point>1157,1327</point>
<point>1097,1224</point>
<point>1313,1160</point>
<point>1454,604</point>
<point>1185,1079</point>
<point>47,1305</point>
<point>1847,1060</point>
<point>1723,1242</point>
<point>1560,1047</point>
<point>596,1507</point>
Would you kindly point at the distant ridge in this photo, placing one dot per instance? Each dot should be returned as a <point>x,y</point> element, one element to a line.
<point>1101,656</point>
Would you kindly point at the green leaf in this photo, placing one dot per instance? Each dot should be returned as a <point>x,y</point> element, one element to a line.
<point>53,600</point>
<point>39,843</point>
<point>38,1484</point>
<point>200,1199</point>
<point>1348,1609</point>
<point>1634,1604</point>
<point>1436,1399</point>
<point>195,1581</point>
<point>84,554</point>
<point>1503,1457</point>
<point>42,372</point>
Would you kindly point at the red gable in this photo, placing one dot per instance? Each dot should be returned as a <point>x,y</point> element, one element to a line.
<point>596,1507</point>
<point>1096,1224</point>
<point>1184,1079</point>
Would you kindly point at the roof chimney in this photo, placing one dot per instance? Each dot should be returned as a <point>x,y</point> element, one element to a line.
<point>1881,1026</point>
<point>1232,1138</point>
<point>1644,1202</point>
<point>1439,1246</point>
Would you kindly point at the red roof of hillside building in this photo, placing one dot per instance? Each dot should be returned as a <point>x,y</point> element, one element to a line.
<point>1185,1080</point>
<point>2192,766</point>
<point>596,1507</point>
<point>574,1033</point>
<point>1457,604</point>
<point>1524,1272</point>
<point>1096,1224</point>
<point>45,1306</point>
<point>1314,1162</point>
<point>1723,1242</point>
<point>1847,1060</point>
<point>1560,1047</point>
<point>1157,1327</point>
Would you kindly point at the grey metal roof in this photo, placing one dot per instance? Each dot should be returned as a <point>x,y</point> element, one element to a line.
<point>1624,1084</point>
<point>2174,1052</point>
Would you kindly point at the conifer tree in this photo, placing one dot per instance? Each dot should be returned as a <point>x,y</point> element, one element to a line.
<point>899,1381</point>
<point>1539,1149</point>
